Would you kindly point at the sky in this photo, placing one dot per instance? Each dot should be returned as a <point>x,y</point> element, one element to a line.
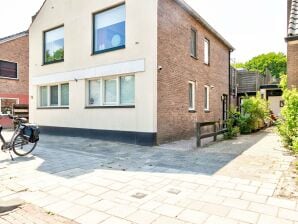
<point>253,27</point>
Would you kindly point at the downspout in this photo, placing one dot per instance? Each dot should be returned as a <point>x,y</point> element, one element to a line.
<point>230,79</point>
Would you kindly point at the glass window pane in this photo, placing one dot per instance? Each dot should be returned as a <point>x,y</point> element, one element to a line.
<point>54,95</point>
<point>8,69</point>
<point>109,28</point>
<point>190,94</point>
<point>206,101</point>
<point>65,94</point>
<point>206,51</point>
<point>111,91</point>
<point>127,90</point>
<point>94,92</point>
<point>6,105</point>
<point>193,43</point>
<point>43,96</point>
<point>54,45</point>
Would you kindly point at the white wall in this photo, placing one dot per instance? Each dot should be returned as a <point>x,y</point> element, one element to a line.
<point>141,47</point>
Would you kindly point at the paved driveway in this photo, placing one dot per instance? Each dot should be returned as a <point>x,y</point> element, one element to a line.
<point>92,181</point>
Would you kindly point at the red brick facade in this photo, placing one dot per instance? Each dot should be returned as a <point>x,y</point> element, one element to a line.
<point>292,63</point>
<point>174,121</point>
<point>15,49</point>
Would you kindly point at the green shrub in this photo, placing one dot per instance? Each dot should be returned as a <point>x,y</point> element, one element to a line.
<point>288,124</point>
<point>254,112</point>
<point>232,124</point>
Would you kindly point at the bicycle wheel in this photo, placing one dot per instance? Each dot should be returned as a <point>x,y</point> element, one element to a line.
<point>21,146</point>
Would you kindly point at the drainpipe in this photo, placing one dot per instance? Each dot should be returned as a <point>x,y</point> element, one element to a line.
<point>230,79</point>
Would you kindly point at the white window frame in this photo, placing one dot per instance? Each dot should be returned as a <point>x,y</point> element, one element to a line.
<point>8,98</point>
<point>207,97</point>
<point>49,96</point>
<point>102,80</point>
<point>207,56</point>
<point>194,49</point>
<point>193,108</point>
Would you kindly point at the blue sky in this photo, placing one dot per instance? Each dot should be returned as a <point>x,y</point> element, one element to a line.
<point>251,26</point>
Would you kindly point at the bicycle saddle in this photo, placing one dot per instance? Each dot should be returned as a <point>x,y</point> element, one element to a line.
<point>21,119</point>
<point>1,128</point>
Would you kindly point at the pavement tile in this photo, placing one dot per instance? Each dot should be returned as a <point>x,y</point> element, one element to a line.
<point>142,217</point>
<point>167,220</point>
<point>121,211</point>
<point>114,220</point>
<point>74,212</point>
<point>236,203</point>
<point>168,210</point>
<point>193,216</point>
<point>254,197</point>
<point>245,216</point>
<point>92,217</point>
<point>263,209</point>
<point>220,220</point>
<point>288,214</point>
<point>284,203</point>
<point>266,219</point>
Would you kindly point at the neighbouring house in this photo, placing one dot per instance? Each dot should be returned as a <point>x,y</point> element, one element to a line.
<point>14,73</point>
<point>248,83</point>
<point>136,71</point>
<point>292,40</point>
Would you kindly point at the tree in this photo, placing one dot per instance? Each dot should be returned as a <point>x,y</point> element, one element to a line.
<point>239,65</point>
<point>275,63</point>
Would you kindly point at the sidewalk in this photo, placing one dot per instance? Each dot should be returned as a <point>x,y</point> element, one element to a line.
<point>90,181</point>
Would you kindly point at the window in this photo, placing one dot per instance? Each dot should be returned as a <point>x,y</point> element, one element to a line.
<point>206,51</point>
<point>54,45</point>
<point>116,91</point>
<point>65,94</point>
<point>191,96</point>
<point>109,30</point>
<point>94,87</point>
<point>127,91</point>
<point>207,98</point>
<point>193,47</point>
<point>54,95</point>
<point>6,105</point>
<point>8,70</point>
<point>110,92</point>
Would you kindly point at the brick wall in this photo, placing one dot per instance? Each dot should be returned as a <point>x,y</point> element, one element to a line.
<point>16,51</point>
<point>292,63</point>
<point>174,121</point>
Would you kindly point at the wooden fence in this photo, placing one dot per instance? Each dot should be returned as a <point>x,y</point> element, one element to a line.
<point>218,129</point>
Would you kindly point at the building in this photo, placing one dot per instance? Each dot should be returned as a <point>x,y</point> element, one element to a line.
<point>14,73</point>
<point>292,40</point>
<point>136,71</point>
<point>249,83</point>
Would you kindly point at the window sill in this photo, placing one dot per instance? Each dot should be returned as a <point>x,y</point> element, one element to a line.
<point>107,50</point>
<point>207,111</point>
<point>15,79</point>
<point>207,64</point>
<point>194,57</point>
<point>192,111</point>
<point>53,62</point>
<point>109,107</point>
<point>52,108</point>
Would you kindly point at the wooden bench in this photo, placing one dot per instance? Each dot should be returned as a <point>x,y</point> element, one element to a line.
<point>217,130</point>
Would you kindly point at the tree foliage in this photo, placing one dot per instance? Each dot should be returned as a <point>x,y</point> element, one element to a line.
<point>275,63</point>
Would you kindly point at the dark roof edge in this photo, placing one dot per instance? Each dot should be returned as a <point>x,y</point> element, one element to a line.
<point>196,15</point>
<point>14,36</point>
<point>291,38</point>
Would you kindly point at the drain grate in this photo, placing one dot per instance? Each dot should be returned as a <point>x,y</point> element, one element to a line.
<point>139,195</point>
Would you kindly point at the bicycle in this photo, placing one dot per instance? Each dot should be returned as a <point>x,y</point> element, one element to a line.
<point>24,139</point>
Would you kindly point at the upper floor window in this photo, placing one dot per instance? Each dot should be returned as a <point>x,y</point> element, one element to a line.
<point>206,51</point>
<point>109,30</point>
<point>193,46</point>
<point>8,70</point>
<point>54,45</point>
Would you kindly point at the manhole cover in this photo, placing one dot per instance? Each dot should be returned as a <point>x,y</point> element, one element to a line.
<point>139,195</point>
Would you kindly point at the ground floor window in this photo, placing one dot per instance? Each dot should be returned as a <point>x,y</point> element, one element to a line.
<point>54,95</point>
<point>111,91</point>
<point>6,105</point>
<point>191,95</point>
<point>207,98</point>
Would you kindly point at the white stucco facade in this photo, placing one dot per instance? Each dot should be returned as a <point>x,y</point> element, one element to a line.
<point>139,57</point>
